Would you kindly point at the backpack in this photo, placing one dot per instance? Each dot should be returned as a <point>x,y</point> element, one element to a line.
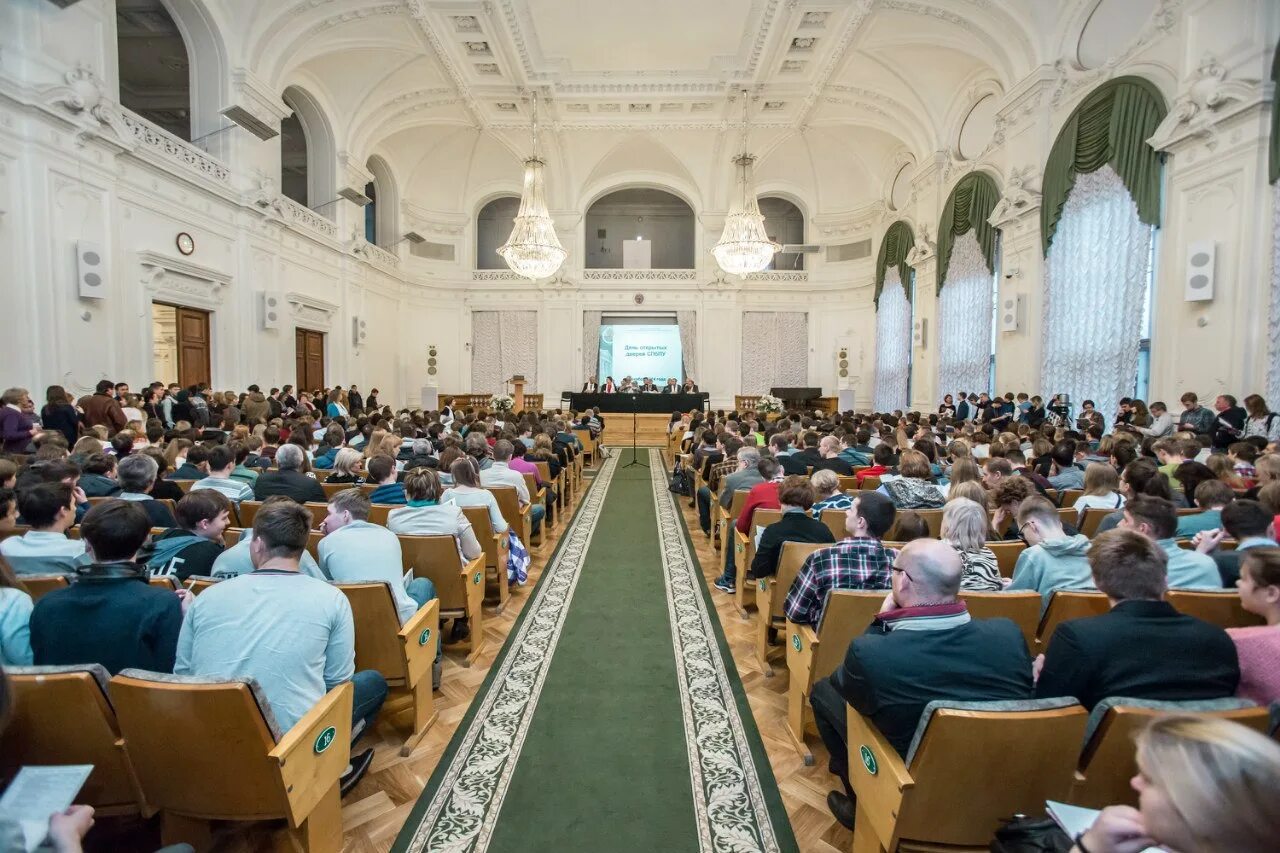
<point>679,484</point>
<point>517,559</point>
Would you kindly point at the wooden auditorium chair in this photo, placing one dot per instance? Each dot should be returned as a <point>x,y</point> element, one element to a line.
<point>1067,604</point>
<point>208,749</point>
<point>496,548</point>
<point>539,496</point>
<point>557,484</point>
<point>517,516</point>
<point>459,586</point>
<point>815,654</point>
<point>199,583</point>
<point>1109,761</point>
<point>771,594</point>
<point>1220,607</point>
<point>744,595</point>
<point>1007,554</point>
<point>970,767</point>
<point>1022,607</point>
<point>404,655</point>
<point>1091,519</point>
<point>38,586</point>
<point>836,522</point>
<point>723,519</point>
<point>247,512</point>
<point>61,715</point>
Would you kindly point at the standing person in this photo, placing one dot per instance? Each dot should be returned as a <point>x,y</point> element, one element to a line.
<point>293,634</point>
<point>1228,427</point>
<point>355,402</point>
<point>1195,417</point>
<point>17,427</point>
<point>102,409</point>
<point>1261,423</point>
<point>58,414</point>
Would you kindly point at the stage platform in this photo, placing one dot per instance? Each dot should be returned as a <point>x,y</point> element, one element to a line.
<point>651,430</point>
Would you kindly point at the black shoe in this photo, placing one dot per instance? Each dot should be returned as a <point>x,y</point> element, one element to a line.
<point>359,766</point>
<point>461,630</point>
<point>842,807</point>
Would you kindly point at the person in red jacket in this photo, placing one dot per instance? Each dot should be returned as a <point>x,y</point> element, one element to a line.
<point>762,496</point>
<point>882,456</point>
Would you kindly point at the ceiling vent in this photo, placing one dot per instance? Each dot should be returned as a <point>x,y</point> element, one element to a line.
<point>432,251</point>
<point>849,251</point>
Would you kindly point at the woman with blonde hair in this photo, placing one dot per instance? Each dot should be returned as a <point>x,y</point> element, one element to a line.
<point>467,491</point>
<point>964,526</point>
<point>1205,785</point>
<point>1101,490</point>
<point>969,490</point>
<point>375,441</point>
<point>424,515</point>
<point>348,467</point>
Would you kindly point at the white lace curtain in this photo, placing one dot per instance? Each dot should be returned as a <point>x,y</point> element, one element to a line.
<point>590,345</point>
<point>688,321</point>
<point>893,345</point>
<point>1098,267</point>
<point>503,344</point>
<point>964,320</point>
<point>775,350</point>
<point>1273,326</point>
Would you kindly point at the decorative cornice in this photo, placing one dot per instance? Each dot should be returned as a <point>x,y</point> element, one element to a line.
<point>83,101</point>
<point>639,275</point>
<point>305,218</point>
<point>1018,200</point>
<point>496,275</point>
<point>181,280</point>
<point>254,96</point>
<point>1208,99</point>
<point>778,275</point>
<point>174,150</point>
<point>1070,77</point>
<point>314,313</point>
<point>857,15</point>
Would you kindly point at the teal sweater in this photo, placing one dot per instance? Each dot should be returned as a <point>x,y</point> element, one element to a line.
<point>1053,564</point>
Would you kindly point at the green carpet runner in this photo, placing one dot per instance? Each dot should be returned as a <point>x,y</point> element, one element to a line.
<point>612,719</point>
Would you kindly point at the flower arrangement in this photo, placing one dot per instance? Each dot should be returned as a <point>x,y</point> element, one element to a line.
<point>768,403</point>
<point>502,403</point>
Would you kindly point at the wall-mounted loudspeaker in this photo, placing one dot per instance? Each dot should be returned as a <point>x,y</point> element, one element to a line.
<point>358,332</point>
<point>920,333</point>
<point>842,362</point>
<point>91,270</point>
<point>1013,310</point>
<point>432,364</point>
<point>1200,261</point>
<point>269,309</point>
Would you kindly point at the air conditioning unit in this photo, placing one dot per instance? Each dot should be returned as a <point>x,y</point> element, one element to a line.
<point>1013,312</point>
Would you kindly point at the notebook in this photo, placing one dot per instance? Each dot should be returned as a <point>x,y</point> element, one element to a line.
<point>1075,820</point>
<point>36,794</point>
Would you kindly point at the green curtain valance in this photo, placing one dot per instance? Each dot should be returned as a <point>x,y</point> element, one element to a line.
<point>1274,151</point>
<point>1111,126</point>
<point>968,206</point>
<point>897,242</point>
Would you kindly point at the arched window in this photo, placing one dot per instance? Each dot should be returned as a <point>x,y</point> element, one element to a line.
<point>895,291</point>
<point>1099,213</point>
<point>967,246</point>
<point>154,68</point>
<point>658,218</point>
<point>381,218</point>
<point>785,225</point>
<point>371,213</point>
<point>493,227</point>
<point>293,157</point>
<point>308,155</point>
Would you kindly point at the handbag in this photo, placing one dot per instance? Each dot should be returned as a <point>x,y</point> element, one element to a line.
<point>679,484</point>
<point>517,559</point>
<point>1025,834</point>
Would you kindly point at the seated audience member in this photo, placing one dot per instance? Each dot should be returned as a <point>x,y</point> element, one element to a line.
<point>882,459</point>
<point>138,473</point>
<point>964,527</point>
<point>1204,785</point>
<point>222,461</point>
<point>347,467</point>
<point>1065,473</point>
<point>192,547</point>
<point>829,453</point>
<point>466,491</point>
<point>744,476</point>
<point>1211,496</point>
<point>383,474</point>
<point>1250,525</point>
<point>164,488</point>
<point>1140,477</point>
<point>856,448</point>
<point>970,491</point>
<point>1053,559</point>
<point>110,615</point>
<point>15,621</point>
<point>912,489</point>
<point>796,525</point>
<point>354,550</point>
<point>293,634</point>
<point>826,490</point>
<point>8,509</point>
<point>195,466</point>
<point>49,508</point>
<point>1156,519</point>
<point>763,495</point>
<point>98,476</point>
<point>910,527</point>
<point>522,466</point>
<point>860,562</point>
<point>922,646</point>
<point>1258,646</point>
<point>1172,452</point>
<point>245,470</point>
<point>495,470</point>
<point>425,515</point>
<point>1101,490</point>
<point>289,480</point>
<point>237,560</point>
<point>718,472</point>
<point>1143,648</point>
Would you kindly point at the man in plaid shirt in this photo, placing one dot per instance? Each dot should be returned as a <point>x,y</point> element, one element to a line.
<point>861,562</point>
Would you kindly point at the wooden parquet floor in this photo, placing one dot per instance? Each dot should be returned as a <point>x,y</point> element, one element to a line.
<point>374,812</point>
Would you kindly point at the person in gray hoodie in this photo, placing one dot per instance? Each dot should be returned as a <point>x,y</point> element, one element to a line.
<point>1053,560</point>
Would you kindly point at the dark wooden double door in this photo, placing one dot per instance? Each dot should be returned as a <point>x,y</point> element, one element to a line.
<point>309,349</point>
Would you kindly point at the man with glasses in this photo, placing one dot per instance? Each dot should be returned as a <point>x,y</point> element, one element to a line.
<point>921,647</point>
<point>1053,559</point>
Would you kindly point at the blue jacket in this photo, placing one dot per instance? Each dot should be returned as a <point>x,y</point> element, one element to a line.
<point>325,460</point>
<point>389,493</point>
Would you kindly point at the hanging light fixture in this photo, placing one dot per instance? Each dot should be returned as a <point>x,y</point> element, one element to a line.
<point>533,250</point>
<point>744,246</point>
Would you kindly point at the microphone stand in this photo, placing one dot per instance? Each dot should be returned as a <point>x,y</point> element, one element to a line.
<point>635,457</point>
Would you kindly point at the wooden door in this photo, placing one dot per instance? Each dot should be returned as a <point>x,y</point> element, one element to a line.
<point>309,347</point>
<point>193,347</point>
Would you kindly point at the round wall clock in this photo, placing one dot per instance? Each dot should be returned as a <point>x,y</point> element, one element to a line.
<point>186,245</point>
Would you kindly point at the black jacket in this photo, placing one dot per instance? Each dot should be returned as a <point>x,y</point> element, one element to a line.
<point>1228,428</point>
<point>98,486</point>
<point>166,490</point>
<point>889,676</point>
<point>196,558</point>
<point>62,418</point>
<point>1141,649</point>
<point>108,616</point>
<point>835,463</point>
<point>187,471</point>
<point>799,462</point>
<point>158,513</point>
<point>794,527</point>
<point>293,484</point>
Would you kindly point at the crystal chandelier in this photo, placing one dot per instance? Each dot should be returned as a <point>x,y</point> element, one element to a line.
<point>744,246</point>
<point>533,250</point>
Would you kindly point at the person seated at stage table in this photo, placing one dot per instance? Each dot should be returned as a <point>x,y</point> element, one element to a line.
<point>689,387</point>
<point>628,385</point>
<point>648,387</point>
<point>610,387</point>
<point>590,386</point>
<point>672,386</point>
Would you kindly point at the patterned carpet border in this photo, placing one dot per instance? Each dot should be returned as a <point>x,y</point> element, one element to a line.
<point>475,772</point>
<point>733,809</point>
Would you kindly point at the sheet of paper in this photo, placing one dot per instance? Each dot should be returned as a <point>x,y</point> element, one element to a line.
<point>1075,819</point>
<point>759,533</point>
<point>37,793</point>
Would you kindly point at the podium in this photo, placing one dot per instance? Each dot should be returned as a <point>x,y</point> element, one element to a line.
<point>517,392</point>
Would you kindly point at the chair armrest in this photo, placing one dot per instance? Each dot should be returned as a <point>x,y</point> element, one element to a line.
<point>473,579</point>
<point>305,773</point>
<point>419,639</point>
<point>880,793</point>
<point>802,642</point>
